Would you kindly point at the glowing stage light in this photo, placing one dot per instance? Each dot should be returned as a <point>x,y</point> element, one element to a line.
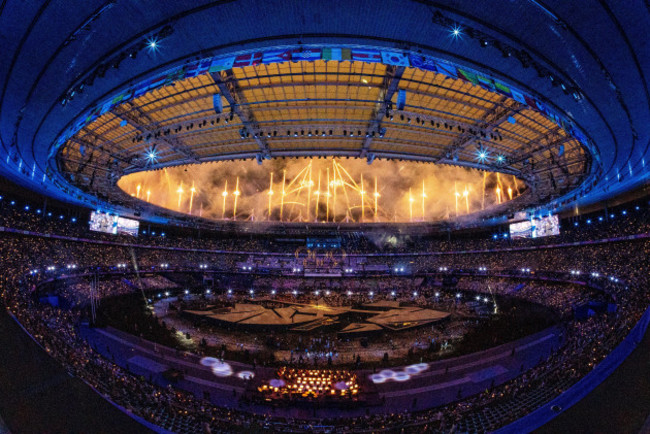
<point>456,31</point>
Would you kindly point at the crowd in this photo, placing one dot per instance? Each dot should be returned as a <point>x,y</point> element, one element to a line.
<point>623,220</point>
<point>619,269</point>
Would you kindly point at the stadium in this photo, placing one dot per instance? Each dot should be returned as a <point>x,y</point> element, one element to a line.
<point>346,216</point>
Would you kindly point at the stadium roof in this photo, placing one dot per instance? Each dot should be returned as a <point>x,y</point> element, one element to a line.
<point>557,90</point>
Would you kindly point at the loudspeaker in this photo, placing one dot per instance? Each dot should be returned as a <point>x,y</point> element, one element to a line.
<point>401,99</point>
<point>216,102</point>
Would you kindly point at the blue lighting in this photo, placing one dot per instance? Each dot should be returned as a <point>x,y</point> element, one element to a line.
<point>456,31</point>
<point>74,219</point>
<point>505,235</point>
<point>49,214</point>
<point>152,44</point>
<point>495,236</point>
<point>482,154</point>
<point>501,159</point>
<point>575,223</point>
<point>624,212</point>
<point>61,217</point>
<point>152,155</point>
<point>588,221</point>
<point>26,207</point>
<point>600,219</point>
<point>13,202</point>
<point>38,211</point>
<point>611,216</point>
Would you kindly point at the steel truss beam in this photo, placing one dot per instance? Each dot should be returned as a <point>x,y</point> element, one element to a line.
<point>388,89</point>
<point>488,123</point>
<point>232,91</point>
<point>142,122</point>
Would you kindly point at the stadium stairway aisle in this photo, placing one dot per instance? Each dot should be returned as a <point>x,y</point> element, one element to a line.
<point>619,405</point>
<point>38,396</point>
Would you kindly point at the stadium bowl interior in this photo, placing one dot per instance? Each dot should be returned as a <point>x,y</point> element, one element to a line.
<point>343,216</point>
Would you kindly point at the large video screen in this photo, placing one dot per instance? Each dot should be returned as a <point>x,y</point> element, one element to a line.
<point>536,228</point>
<point>521,229</point>
<point>547,226</point>
<point>127,226</point>
<point>103,222</point>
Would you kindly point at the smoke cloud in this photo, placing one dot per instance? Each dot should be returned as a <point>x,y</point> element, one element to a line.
<point>448,191</point>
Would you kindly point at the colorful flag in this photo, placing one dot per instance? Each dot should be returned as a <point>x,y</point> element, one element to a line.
<point>91,117</point>
<point>250,59</point>
<point>517,96</point>
<point>485,82</point>
<point>175,75</point>
<point>364,55</point>
<point>122,97</point>
<point>447,69</point>
<point>198,68</point>
<point>337,54</point>
<point>424,63</point>
<point>531,102</point>
<point>502,88</point>
<point>465,75</point>
<point>394,58</point>
<point>156,82</point>
<point>308,54</point>
<point>106,107</point>
<point>140,89</point>
<point>221,64</point>
<point>276,56</point>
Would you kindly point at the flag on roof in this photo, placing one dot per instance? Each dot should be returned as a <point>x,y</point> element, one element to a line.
<point>485,82</point>
<point>106,107</point>
<point>276,56</point>
<point>337,54</point>
<point>92,116</point>
<point>156,82</point>
<point>366,55</point>
<point>308,54</point>
<point>250,59</point>
<point>517,96</point>
<point>447,69</point>
<point>531,102</point>
<point>466,75</point>
<point>394,58</point>
<point>502,88</point>
<point>122,97</point>
<point>221,64</point>
<point>176,74</point>
<point>140,89</point>
<point>198,68</point>
<point>425,63</point>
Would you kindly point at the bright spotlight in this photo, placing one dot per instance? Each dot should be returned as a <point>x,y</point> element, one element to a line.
<point>456,31</point>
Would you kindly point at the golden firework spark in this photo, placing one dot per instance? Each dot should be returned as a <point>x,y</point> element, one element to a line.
<point>338,192</point>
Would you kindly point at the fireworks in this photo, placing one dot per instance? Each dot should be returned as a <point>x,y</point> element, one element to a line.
<point>192,191</point>
<point>324,190</point>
